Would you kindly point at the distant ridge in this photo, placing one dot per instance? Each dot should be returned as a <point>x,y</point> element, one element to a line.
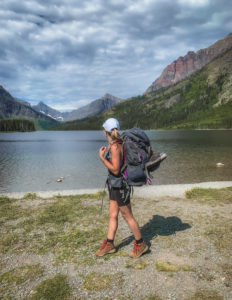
<point>190,63</point>
<point>48,111</point>
<point>12,108</point>
<point>95,107</point>
<point>23,102</point>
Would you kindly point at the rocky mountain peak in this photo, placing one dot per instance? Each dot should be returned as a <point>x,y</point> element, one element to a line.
<point>93,108</point>
<point>190,63</point>
<point>48,111</point>
<point>107,95</point>
<point>11,107</point>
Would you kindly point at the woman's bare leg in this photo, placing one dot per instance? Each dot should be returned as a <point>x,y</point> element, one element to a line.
<point>113,219</point>
<point>127,214</point>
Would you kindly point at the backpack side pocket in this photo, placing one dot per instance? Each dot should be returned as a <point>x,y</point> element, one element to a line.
<point>115,181</point>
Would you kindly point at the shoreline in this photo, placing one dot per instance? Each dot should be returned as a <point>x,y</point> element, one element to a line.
<point>154,129</point>
<point>172,190</point>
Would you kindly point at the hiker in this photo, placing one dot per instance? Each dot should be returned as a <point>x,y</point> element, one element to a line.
<point>119,192</point>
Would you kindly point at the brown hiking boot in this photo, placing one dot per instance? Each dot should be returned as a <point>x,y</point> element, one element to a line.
<point>138,250</point>
<point>106,248</point>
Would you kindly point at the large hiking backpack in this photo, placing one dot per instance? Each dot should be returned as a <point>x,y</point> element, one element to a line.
<point>139,158</point>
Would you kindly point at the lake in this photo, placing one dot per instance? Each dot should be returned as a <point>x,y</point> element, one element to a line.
<point>34,161</point>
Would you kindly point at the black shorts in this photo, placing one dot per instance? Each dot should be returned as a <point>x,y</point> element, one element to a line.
<point>121,195</point>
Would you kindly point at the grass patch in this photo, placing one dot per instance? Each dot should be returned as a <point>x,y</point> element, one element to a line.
<point>55,288</point>
<point>67,227</point>
<point>165,266</point>
<point>138,264</point>
<point>206,295</point>
<point>121,253</point>
<point>30,196</point>
<point>152,297</point>
<point>67,241</point>
<point>22,274</point>
<point>3,263</point>
<point>68,209</point>
<point>97,281</point>
<point>83,197</point>
<point>11,279</point>
<point>8,210</point>
<point>209,196</point>
<point>60,212</point>
<point>221,235</point>
<point>8,241</point>
<point>74,245</point>
<point>227,272</point>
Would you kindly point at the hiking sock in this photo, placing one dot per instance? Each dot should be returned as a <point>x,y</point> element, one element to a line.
<point>139,241</point>
<point>110,241</point>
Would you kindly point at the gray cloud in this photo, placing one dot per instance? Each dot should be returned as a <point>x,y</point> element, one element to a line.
<point>68,53</point>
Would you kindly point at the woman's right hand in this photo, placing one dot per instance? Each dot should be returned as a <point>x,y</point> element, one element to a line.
<point>102,151</point>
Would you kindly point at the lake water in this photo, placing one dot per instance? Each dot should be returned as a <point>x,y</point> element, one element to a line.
<point>34,161</point>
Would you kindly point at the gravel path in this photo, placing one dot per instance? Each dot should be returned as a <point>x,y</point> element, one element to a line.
<point>174,190</point>
<point>189,239</point>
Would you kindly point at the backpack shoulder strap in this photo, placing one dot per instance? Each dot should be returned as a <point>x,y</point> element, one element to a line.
<point>117,142</point>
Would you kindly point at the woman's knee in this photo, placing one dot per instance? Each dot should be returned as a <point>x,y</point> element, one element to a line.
<point>126,214</point>
<point>113,215</point>
<point>113,209</point>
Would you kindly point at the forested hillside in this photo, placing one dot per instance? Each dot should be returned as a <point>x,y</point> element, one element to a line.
<point>17,125</point>
<point>203,100</point>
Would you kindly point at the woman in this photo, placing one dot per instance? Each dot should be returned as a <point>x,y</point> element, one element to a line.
<point>119,192</point>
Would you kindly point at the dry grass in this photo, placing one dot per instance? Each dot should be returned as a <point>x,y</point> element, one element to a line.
<point>96,281</point>
<point>65,227</point>
<point>138,264</point>
<point>165,266</point>
<point>18,276</point>
<point>210,196</point>
<point>206,295</point>
<point>54,288</point>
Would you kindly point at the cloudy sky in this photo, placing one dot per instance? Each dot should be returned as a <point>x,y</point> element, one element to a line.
<point>68,53</point>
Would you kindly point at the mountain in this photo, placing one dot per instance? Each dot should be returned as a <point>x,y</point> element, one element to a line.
<point>23,102</point>
<point>95,107</point>
<point>12,108</point>
<point>201,100</point>
<point>190,63</point>
<point>48,111</point>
